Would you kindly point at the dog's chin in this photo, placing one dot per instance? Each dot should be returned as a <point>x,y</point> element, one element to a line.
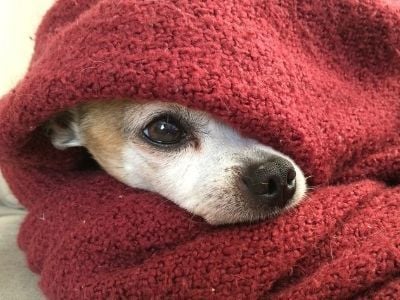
<point>227,214</point>
<point>238,208</point>
<point>242,216</point>
<point>230,218</point>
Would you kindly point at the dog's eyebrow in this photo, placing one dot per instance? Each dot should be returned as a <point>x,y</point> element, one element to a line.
<point>194,121</point>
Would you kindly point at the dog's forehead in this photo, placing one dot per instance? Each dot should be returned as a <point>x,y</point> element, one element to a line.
<point>137,114</point>
<point>144,109</point>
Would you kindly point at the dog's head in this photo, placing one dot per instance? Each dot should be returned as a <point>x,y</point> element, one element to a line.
<point>185,155</point>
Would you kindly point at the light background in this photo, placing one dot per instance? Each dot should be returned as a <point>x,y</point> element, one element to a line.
<point>18,22</point>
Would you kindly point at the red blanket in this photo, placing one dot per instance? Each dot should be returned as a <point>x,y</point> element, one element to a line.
<point>317,80</point>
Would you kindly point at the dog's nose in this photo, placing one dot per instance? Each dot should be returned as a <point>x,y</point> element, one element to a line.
<point>272,181</point>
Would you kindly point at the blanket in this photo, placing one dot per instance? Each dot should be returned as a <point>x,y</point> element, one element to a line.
<point>317,80</point>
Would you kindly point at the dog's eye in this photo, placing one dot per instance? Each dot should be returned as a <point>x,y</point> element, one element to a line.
<point>164,130</point>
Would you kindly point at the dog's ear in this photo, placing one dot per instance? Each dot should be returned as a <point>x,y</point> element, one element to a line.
<point>64,130</point>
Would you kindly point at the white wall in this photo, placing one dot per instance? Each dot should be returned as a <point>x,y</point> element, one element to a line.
<point>18,22</point>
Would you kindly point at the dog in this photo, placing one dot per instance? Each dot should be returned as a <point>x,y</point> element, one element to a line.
<point>187,156</point>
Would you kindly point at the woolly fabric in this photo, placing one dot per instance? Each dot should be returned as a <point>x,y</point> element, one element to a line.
<point>318,80</point>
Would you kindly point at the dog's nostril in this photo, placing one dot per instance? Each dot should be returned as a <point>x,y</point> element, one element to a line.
<point>261,187</point>
<point>272,188</point>
<point>290,177</point>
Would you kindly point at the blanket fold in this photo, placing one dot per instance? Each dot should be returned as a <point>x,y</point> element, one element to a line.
<point>317,80</point>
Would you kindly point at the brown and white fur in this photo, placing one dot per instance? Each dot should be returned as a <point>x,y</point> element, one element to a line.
<point>201,173</point>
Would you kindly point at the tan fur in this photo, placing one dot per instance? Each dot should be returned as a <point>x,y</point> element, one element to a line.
<point>102,130</point>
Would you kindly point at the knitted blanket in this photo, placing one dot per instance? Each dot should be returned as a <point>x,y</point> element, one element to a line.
<point>317,80</point>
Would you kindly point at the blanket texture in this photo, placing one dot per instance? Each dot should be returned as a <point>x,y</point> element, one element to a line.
<point>317,80</point>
